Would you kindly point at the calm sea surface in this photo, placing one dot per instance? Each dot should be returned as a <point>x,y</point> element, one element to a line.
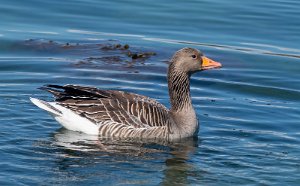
<point>249,110</point>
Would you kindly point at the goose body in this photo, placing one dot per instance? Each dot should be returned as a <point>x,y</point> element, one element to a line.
<point>111,113</point>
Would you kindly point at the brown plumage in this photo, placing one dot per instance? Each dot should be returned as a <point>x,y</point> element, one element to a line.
<point>128,115</point>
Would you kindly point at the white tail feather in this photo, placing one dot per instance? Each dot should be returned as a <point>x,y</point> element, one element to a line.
<point>67,117</point>
<point>46,106</point>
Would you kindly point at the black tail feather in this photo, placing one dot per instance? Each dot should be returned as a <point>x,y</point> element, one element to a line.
<point>55,92</point>
<point>65,92</point>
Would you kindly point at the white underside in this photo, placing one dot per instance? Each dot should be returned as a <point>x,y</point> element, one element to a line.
<point>67,118</point>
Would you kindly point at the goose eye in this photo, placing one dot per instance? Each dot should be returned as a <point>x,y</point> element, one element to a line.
<point>194,56</point>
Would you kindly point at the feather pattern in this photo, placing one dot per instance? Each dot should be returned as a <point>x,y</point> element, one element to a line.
<point>111,113</point>
<point>117,113</point>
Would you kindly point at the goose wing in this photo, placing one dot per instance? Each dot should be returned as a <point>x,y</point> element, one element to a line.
<point>100,106</point>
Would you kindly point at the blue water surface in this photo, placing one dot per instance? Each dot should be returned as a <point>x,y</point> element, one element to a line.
<point>249,110</point>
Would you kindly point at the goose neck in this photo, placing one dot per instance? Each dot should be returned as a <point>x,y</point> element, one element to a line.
<point>179,91</point>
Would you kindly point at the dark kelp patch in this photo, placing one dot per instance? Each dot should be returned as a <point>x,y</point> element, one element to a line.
<point>91,55</point>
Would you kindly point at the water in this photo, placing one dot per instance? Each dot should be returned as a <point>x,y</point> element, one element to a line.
<point>249,110</point>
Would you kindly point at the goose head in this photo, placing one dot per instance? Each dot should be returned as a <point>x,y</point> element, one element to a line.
<point>184,63</point>
<point>190,60</point>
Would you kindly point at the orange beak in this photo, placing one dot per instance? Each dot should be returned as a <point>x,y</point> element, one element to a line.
<point>209,64</point>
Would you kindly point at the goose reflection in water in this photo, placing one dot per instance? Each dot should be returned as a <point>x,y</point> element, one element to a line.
<point>83,156</point>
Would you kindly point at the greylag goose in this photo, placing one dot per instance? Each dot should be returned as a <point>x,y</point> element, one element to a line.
<point>111,113</point>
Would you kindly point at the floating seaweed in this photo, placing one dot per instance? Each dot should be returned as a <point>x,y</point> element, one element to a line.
<point>91,55</point>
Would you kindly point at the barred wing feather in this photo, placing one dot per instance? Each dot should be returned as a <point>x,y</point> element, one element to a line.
<point>116,107</point>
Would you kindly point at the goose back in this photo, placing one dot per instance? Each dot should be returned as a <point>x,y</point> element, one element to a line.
<point>117,113</point>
